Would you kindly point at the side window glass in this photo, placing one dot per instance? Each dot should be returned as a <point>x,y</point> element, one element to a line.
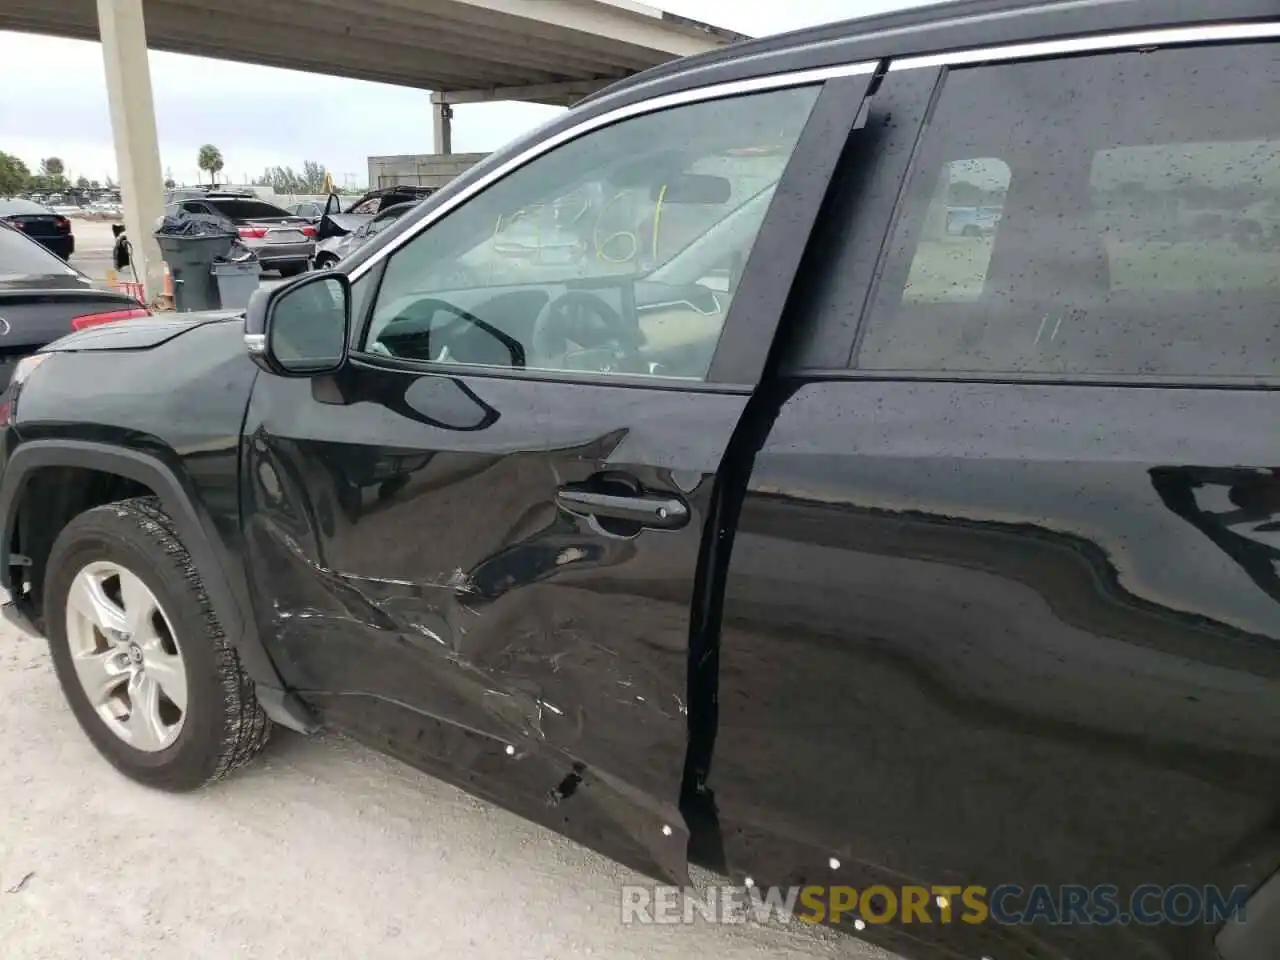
<point>959,231</point>
<point>1137,233</point>
<point>1167,225</point>
<point>382,221</point>
<point>361,290</point>
<point>613,253</point>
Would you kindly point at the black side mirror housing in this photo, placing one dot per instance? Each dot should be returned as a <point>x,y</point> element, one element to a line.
<point>300,329</point>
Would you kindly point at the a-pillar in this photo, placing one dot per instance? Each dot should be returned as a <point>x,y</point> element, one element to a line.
<point>133,125</point>
<point>441,124</point>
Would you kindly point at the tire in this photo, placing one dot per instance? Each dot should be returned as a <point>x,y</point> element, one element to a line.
<point>325,261</point>
<point>220,724</point>
<point>293,269</point>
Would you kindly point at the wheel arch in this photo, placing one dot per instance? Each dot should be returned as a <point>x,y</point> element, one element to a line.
<point>125,472</point>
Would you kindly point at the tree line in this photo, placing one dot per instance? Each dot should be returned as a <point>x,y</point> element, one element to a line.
<point>16,177</point>
<point>311,179</point>
<point>51,177</point>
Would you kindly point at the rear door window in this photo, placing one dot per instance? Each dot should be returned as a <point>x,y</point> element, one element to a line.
<point>1112,215</point>
<point>247,209</point>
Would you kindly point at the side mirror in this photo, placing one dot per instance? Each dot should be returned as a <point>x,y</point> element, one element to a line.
<point>300,329</point>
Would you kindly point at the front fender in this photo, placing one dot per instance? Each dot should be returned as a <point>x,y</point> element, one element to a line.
<point>223,576</point>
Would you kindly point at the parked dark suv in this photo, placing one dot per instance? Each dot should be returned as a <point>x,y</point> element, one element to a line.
<point>677,478</point>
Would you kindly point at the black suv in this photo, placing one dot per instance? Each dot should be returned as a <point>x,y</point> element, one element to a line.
<point>688,478</point>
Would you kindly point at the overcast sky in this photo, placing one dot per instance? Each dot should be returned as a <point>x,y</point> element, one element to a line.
<point>260,116</point>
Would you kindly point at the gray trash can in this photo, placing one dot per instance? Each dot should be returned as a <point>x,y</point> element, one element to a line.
<point>236,280</point>
<point>190,260</point>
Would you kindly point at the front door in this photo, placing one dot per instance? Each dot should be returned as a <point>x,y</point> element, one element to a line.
<point>477,546</point>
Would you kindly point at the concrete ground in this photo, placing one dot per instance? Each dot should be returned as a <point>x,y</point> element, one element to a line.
<point>93,247</point>
<point>319,850</point>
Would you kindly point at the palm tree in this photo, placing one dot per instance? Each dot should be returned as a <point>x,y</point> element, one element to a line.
<point>210,161</point>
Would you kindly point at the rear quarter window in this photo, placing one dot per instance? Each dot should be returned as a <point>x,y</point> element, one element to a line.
<point>247,209</point>
<point>1112,215</point>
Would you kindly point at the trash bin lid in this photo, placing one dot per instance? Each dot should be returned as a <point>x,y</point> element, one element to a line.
<point>232,268</point>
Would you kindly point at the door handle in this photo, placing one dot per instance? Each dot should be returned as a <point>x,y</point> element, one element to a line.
<point>661,513</point>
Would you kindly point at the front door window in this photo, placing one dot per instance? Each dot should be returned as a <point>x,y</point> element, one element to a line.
<point>609,254</point>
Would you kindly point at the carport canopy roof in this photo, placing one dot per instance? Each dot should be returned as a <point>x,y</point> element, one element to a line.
<point>543,51</point>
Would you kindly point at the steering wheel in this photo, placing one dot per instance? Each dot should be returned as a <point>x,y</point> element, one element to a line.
<point>581,318</point>
<point>425,341</point>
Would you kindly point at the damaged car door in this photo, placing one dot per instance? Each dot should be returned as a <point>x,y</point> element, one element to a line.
<point>477,546</point>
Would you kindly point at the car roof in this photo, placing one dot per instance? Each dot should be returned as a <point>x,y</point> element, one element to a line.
<point>950,26</point>
<point>399,188</point>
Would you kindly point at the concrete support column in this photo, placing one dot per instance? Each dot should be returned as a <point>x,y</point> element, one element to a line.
<point>441,124</point>
<point>133,125</point>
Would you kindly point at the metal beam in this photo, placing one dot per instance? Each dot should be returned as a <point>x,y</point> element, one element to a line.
<point>268,28</point>
<point>564,91</point>
<point>634,23</point>
<point>461,45</point>
<point>133,127</point>
<point>436,30</point>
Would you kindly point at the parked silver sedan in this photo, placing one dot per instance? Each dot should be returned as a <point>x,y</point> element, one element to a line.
<point>281,240</point>
<point>347,232</point>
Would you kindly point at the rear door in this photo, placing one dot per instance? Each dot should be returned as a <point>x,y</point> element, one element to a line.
<point>478,546</point>
<point>1003,607</point>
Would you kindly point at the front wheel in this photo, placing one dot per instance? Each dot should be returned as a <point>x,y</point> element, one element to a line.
<point>326,261</point>
<point>140,654</point>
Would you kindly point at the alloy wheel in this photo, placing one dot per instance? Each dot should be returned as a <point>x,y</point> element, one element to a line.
<point>126,656</point>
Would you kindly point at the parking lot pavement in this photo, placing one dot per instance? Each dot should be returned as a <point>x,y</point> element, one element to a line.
<point>94,242</point>
<point>320,850</point>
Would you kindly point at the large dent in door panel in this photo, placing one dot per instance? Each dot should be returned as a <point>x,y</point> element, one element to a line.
<point>507,684</point>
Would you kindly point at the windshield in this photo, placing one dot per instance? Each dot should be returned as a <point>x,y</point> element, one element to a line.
<point>247,209</point>
<point>20,257</point>
<point>9,208</point>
